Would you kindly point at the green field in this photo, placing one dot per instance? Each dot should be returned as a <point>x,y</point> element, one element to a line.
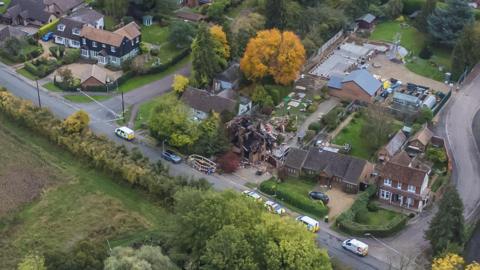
<point>76,203</point>
<point>141,80</point>
<point>414,41</point>
<point>85,99</point>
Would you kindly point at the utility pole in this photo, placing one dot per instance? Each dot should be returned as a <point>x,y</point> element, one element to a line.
<point>123,108</point>
<point>38,94</point>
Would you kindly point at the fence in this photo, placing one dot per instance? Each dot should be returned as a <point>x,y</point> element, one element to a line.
<point>441,103</point>
<point>330,42</point>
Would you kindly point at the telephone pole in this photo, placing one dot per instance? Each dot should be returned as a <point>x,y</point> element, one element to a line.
<point>38,94</point>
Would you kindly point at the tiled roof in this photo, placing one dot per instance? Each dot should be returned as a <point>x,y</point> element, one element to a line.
<point>295,158</point>
<point>423,136</point>
<point>396,143</point>
<point>96,72</point>
<point>8,32</point>
<point>402,158</point>
<point>403,174</point>
<point>86,15</point>
<point>129,31</point>
<point>231,74</point>
<point>69,26</point>
<point>203,101</point>
<point>368,18</point>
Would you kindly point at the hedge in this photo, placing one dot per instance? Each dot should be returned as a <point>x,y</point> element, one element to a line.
<point>123,165</point>
<point>346,221</point>
<point>49,27</point>
<point>298,201</point>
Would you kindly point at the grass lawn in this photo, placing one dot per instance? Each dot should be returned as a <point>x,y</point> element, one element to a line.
<point>144,111</point>
<point>110,23</point>
<point>25,73</point>
<point>351,134</point>
<point>52,87</point>
<point>142,80</point>
<point>414,40</point>
<point>168,51</point>
<point>82,204</point>
<point>4,7</point>
<point>155,34</point>
<point>84,99</point>
<point>378,218</point>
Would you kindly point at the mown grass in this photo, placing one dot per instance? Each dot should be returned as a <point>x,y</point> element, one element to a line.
<point>155,34</point>
<point>52,87</point>
<point>143,114</point>
<point>378,218</point>
<point>85,99</point>
<point>86,204</point>
<point>26,74</point>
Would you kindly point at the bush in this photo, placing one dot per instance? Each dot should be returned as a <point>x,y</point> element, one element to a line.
<point>315,126</point>
<point>41,67</point>
<point>312,107</point>
<point>410,6</point>
<point>317,98</point>
<point>71,56</point>
<point>302,202</point>
<point>425,53</point>
<point>373,206</point>
<point>309,135</point>
<point>154,52</point>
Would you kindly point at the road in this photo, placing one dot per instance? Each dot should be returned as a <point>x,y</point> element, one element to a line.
<point>103,123</point>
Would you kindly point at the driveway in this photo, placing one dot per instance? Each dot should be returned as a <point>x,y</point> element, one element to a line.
<point>390,69</point>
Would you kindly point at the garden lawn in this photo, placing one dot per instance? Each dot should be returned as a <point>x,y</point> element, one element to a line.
<point>139,81</point>
<point>168,51</point>
<point>85,99</point>
<point>5,5</point>
<point>378,218</point>
<point>25,73</point>
<point>414,40</point>
<point>52,87</point>
<point>110,23</point>
<point>155,34</point>
<point>143,114</point>
<point>84,203</point>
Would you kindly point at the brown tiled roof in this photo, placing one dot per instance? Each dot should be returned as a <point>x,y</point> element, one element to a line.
<point>403,174</point>
<point>102,36</point>
<point>203,101</point>
<point>295,158</point>
<point>131,30</point>
<point>423,136</point>
<point>395,143</point>
<point>96,72</point>
<point>64,5</point>
<point>401,158</point>
<point>190,16</point>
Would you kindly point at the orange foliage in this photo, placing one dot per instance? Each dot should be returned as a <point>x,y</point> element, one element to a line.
<point>271,52</point>
<point>220,38</point>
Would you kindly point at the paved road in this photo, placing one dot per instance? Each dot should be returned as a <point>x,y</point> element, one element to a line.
<point>103,123</point>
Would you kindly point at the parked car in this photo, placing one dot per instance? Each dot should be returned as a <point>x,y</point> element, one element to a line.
<point>125,133</point>
<point>47,36</point>
<point>355,246</point>
<point>311,224</point>
<point>318,195</point>
<point>253,195</point>
<point>171,156</point>
<point>274,207</point>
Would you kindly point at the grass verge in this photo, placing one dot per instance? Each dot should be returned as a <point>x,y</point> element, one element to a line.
<point>26,74</point>
<point>85,99</point>
<point>52,87</point>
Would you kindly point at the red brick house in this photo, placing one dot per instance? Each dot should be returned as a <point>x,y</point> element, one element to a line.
<point>403,186</point>
<point>358,85</point>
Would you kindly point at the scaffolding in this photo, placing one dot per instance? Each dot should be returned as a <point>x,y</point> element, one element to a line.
<point>202,164</point>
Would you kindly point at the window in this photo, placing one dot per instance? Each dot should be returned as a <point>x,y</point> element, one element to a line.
<point>112,48</point>
<point>84,53</point>
<point>75,44</point>
<point>61,27</point>
<point>137,40</point>
<point>84,41</point>
<point>94,44</point>
<point>385,194</point>
<point>94,54</point>
<point>387,182</point>
<point>411,188</point>
<point>114,59</point>
<point>76,31</point>
<point>409,202</point>
<point>399,185</point>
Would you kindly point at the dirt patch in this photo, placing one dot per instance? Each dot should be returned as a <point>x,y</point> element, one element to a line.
<point>388,70</point>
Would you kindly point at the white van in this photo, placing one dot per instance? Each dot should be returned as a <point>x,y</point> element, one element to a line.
<point>355,246</point>
<point>312,224</point>
<point>125,133</point>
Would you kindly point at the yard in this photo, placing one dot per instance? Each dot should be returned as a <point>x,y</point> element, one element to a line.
<point>293,193</point>
<point>377,218</point>
<point>3,8</point>
<point>352,135</point>
<point>155,34</point>
<point>413,40</point>
<point>74,202</point>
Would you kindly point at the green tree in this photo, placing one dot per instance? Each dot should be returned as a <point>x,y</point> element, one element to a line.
<point>260,96</point>
<point>115,8</point>
<point>170,119</point>
<point>216,10</point>
<point>393,8</point>
<point>425,116</point>
<point>447,227</point>
<point>212,139</point>
<point>85,255</point>
<point>427,10</point>
<point>181,34</point>
<point>206,63</point>
<point>377,126</point>
<point>446,24</point>
<point>32,262</point>
<point>145,258</point>
<point>466,53</point>
<point>275,14</point>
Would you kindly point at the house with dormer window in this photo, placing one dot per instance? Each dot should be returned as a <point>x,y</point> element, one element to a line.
<point>68,29</point>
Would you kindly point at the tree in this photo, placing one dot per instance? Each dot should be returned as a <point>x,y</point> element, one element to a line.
<point>180,83</point>
<point>139,64</point>
<point>32,262</point>
<point>446,24</point>
<point>212,139</point>
<point>377,126</point>
<point>76,122</point>
<point>216,10</point>
<point>452,261</point>
<point>260,96</point>
<point>145,258</point>
<point>206,63</point>
<point>170,120</point>
<point>85,255</point>
<point>229,162</point>
<point>115,8</point>
<point>181,33</point>
<point>222,49</point>
<point>393,8</point>
<point>422,18</point>
<point>275,13</point>
<point>447,227</point>
<point>466,54</point>
<point>271,52</point>
<point>425,116</point>
<point>67,77</point>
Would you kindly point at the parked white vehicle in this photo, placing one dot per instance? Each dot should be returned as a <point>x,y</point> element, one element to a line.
<point>274,207</point>
<point>355,246</point>
<point>311,224</point>
<point>125,133</point>
<point>253,195</point>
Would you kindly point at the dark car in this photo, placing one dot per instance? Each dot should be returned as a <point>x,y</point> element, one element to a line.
<point>171,156</point>
<point>317,195</point>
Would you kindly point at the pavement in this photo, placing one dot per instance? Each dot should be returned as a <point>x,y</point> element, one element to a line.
<point>103,121</point>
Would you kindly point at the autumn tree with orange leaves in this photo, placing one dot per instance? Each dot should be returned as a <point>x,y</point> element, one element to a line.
<point>274,53</point>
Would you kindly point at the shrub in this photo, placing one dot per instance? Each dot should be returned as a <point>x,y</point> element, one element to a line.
<point>316,208</point>
<point>373,206</point>
<point>425,53</point>
<point>154,52</point>
<point>315,126</point>
<point>309,135</point>
<point>317,98</point>
<point>71,56</point>
<point>312,107</point>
